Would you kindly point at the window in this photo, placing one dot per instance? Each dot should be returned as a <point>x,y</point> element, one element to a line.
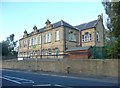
<point>28,42</point>
<point>40,39</point>
<point>97,36</point>
<point>47,37</point>
<point>90,38</point>
<point>86,36</point>
<point>25,43</point>
<point>43,52</point>
<point>49,51</point>
<point>20,45</point>
<point>82,38</point>
<point>34,41</point>
<point>56,51</point>
<point>57,35</point>
<point>72,36</point>
<point>46,52</point>
<point>31,41</point>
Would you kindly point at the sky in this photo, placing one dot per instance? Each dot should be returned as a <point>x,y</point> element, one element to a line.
<point>19,16</point>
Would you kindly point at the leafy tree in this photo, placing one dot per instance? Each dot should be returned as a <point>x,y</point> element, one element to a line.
<point>5,50</point>
<point>113,51</point>
<point>8,46</point>
<point>113,11</point>
<point>113,24</point>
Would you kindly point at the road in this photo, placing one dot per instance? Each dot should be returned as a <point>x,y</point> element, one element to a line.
<point>22,78</point>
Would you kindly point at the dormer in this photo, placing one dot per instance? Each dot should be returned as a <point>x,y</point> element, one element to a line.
<point>48,25</point>
<point>25,34</point>
<point>35,30</point>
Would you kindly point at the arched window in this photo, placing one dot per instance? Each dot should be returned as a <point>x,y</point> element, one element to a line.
<point>86,36</point>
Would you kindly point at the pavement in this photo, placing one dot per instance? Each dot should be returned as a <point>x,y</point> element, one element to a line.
<point>17,78</point>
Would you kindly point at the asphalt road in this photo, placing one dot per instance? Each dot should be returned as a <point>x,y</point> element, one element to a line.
<point>15,78</point>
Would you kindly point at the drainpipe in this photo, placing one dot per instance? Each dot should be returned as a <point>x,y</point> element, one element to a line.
<point>64,39</point>
<point>41,47</point>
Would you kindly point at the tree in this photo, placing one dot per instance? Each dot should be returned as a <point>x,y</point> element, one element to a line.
<point>113,51</point>
<point>5,50</point>
<point>113,11</point>
<point>113,24</point>
<point>8,46</point>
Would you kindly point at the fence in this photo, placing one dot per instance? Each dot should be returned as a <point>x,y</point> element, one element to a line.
<point>98,52</point>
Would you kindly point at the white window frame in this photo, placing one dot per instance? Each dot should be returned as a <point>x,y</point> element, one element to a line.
<point>40,39</point>
<point>34,41</point>
<point>30,42</point>
<point>86,37</point>
<point>47,37</point>
<point>57,37</point>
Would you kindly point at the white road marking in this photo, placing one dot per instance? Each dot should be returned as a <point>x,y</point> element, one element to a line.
<point>83,78</point>
<point>17,80</point>
<point>44,74</point>
<point>43,85</point>
<point>11,80</point>
<point>11,77</point>
<point>62,86</point>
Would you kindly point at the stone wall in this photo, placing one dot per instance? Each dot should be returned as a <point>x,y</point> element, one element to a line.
<point>96,67</point>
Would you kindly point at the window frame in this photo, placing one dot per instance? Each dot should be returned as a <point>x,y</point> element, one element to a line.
<point>83,39</point>
<point>86,36</point>
<point>97,37</point>
<point>90,37</point>
<point>57,35</point>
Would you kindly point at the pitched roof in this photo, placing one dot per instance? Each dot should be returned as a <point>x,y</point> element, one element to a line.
<point>78,48</point>
<point>90,24</point>
<point>58,24</point>
<point>62,23</point>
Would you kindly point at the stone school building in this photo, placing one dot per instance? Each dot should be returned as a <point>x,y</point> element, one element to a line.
<point>62,40</point>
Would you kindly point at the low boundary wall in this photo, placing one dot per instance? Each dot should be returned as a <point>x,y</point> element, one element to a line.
<point>97,67</point>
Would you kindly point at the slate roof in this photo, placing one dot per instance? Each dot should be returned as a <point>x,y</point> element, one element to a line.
<point>78,48</point>
<point>84,26</point>
<point>55,25</point>
<point>58,24</point>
